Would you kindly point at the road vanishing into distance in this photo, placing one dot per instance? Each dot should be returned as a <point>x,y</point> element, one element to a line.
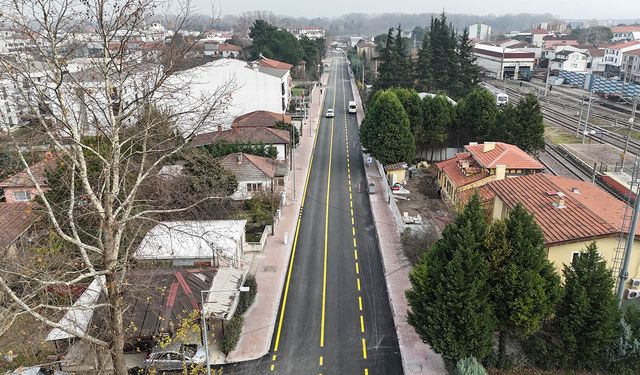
<point>334,315</point>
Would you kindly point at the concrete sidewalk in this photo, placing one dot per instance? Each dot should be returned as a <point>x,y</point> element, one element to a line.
<point>417,357</point>
<point>270,267</point>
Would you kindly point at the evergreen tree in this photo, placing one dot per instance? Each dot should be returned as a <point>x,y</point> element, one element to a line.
<point>469,366</point>
<point>403,65</point>
<point>274,43</point>
<point>507,127</point>
<point>477,114</point>
<point>449,295</point>
<point>388,60</point>
<point>385,130</point>
<point>525,287</point>
<point>412,106</point>
<point>587,316</point>
<point>529,134</point>
<point>439,117</point>
<point>469,72</point>
<point>423,65</point>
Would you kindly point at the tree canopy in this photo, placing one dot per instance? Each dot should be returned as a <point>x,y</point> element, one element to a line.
<point>385,130</point>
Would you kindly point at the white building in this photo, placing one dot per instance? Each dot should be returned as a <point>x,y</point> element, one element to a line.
<point>309,32</point>
<point>225,50</point>
<point>631,66</point>
<point>537,36</point>
<point>625,33</point>
<point>500,62</point>
<point>480,31</point>
<point>614,56</point>
<point>218,243</point>
<point>572,61</point>
<point>251,87</point>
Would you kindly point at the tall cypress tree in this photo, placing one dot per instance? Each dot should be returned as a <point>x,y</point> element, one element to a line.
<point>385,130</point>
<point>423,65</point>
<point>449,295</point>
<point>525,287</point>
<point>404,64</point>
<point>388,60</point>
<point>588,314</point>
<point>530,132</point>
<point>469,72</point>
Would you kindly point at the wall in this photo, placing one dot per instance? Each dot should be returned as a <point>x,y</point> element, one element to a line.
<point>600,84</point>
<point>386,189</point>
<point>258,246</point>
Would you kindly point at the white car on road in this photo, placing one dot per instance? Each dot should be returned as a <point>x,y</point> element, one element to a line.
<point>329,113</point>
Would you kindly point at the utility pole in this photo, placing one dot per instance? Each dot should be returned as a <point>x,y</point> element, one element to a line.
<point>586,122</point>
<point>580,116</point>
<point>624,274</point>
<point>546,81</point>
<point>626,142</point>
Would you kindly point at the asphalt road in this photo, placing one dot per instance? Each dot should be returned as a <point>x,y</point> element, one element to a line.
<point>334,316</point>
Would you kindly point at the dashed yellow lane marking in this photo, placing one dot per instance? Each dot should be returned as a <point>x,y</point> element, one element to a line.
<point>364,349</point>
<point>366,371</point>
<point>357,269</point>
<point>360,303</point>
<point>353,230</point>
<point>352,222</point>
<point>361,323</point>
<point>358,280</point>
<point>321,360</point>
<point>354,242</point>
<point>272,367</point>
<point>273,358</point>
<point>355,254</point>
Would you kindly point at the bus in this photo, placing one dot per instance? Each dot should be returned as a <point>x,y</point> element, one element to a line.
<point>352,106</point>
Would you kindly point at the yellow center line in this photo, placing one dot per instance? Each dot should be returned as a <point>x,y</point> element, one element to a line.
<point>321,360</point>
<point>353,230</point>
<point>355,254</point>
<point>361,323</point>
<point>364,348</point>
<point>360,302</point>
<point>354,242</point>
<point>357,269</point>
<point>272,366</point>
<point>358,280</point>
<point>273,358</point>
<point>366,371</point>
<point>352,223</point>
<point>326,222</point>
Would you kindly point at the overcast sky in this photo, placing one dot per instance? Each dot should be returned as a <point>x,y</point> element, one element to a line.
<point>326,8</point>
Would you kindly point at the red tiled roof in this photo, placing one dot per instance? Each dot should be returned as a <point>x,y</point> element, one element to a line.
<point>635,52</point>
<point>15,218</point>
<point>485,194</point>
<point>597,52</point>
<point>589,213</point>
<point>451,167</point>
<point>260,118</point>
<point>243,135</point>
<point>274,64</point>
<point>624,45</point>
<point>395,167</point>
<point>539,31</point>
<point>503,154</point>
<point>265,165</point>
<point>22,179</point>
<point>625,29</point>
<point>229,47</point>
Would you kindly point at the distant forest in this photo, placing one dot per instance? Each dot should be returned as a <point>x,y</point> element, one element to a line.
<point>374,24</point>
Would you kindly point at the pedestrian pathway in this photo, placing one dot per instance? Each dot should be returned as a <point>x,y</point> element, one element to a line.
<point>417,357</point>
<point>270,266</point>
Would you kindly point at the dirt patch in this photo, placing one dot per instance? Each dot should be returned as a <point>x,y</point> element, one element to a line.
<point>424,198</point>
<point>25,342</point>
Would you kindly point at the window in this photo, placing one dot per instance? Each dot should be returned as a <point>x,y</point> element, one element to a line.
<point>574,257</point>
<point>22,196</point>
<point>253,187</point>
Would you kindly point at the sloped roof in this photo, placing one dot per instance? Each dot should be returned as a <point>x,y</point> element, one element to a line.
<point>503,154</point>
<point>485,194</point>
<point>451,167</point>
<point>260,118</point>
<point>589,213</point>
<point>275,64</point>
<point>243,135</point>
<point>625,29</point>
<point>21,179</point>
<point>229,47</point>
<point>624,45</point>
<point>15,218</point>
<point>597,52</point>
<point>239,168</point>
<point>559,37</point>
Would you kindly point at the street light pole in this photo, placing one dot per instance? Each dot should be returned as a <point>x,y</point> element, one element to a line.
<point>580,116</point>
<point>205,331</point>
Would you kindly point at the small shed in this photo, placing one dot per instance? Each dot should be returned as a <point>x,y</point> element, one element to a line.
<point>194,243</point>
<point>396,173</point>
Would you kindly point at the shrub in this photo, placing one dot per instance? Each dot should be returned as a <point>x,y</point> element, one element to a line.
<point>231,334</point>
<point>247,298</point>
<point>469,366</point>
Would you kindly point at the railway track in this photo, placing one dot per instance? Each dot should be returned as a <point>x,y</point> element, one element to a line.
<point>567,167</point>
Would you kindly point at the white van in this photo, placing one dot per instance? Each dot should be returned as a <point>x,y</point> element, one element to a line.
<point>352,106</point>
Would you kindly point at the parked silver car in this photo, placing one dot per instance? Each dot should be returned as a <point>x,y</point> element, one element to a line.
<point>175,357</point>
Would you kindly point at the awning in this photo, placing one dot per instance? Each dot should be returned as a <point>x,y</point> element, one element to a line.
<point>221,301</point>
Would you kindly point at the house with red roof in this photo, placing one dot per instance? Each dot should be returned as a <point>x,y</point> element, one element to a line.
<point>255,174</point>
<point>21,188</point>
<point>625,33</point>
<point>480,164</point>
<point>260,118</point>
<point>248,135</point>
<point>572,214</point>
<point>218,50</point>
<point>614,55</point>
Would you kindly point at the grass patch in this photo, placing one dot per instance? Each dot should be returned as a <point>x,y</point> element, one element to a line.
<point>558,136</point>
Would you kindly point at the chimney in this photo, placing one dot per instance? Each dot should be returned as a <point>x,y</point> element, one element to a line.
<point>559,203</point>
<point>464,164</point>
<point>240,158</point>
<point>488,146</point>
<point>575,190</point>
<point>501,172</point>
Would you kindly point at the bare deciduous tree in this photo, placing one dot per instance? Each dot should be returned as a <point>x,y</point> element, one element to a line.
<point>99,124</point>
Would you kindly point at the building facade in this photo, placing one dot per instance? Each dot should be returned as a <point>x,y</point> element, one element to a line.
<point>480,31</point>
<point>502,62</point>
